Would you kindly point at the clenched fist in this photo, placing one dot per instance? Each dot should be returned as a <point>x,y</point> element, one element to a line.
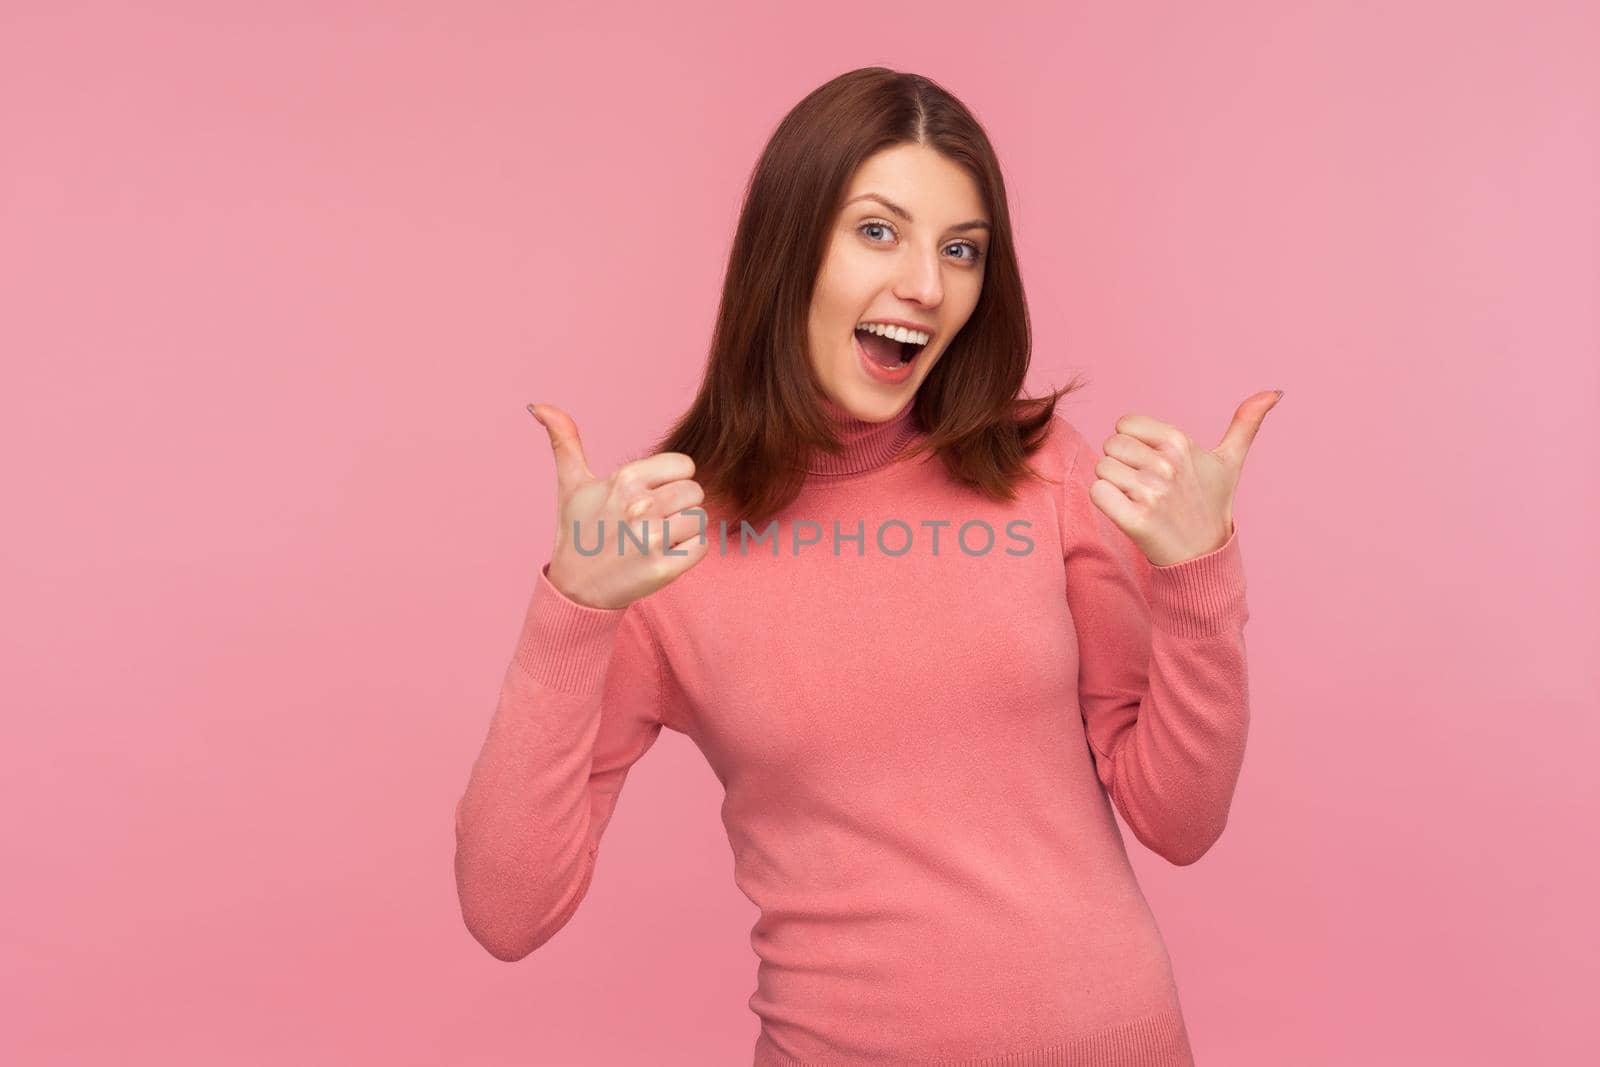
<point>647,495</point>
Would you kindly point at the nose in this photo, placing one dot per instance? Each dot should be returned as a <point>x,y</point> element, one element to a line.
<point>920,279</point>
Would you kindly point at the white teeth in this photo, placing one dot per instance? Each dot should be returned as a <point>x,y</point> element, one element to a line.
<point>895,333</point>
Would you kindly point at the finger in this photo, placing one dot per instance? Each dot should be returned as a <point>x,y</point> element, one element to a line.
<point>1140,456</point>
<point>654,535</point>
<point>677,529</point>
<point>1127,479</point>
<point>676,496</point>
<point>571,466</point>
<point>1114,503</point>
<point>1245,425</point>
<point>666,499</point>
<point>687,525</point>
<point>686,553</point>
<point>655,471</point>
<point>1162,436</point>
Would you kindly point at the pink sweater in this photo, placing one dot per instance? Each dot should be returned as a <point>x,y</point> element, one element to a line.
<point>919,750</point>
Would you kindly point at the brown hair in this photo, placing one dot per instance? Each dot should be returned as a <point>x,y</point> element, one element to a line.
<point>758,412</point>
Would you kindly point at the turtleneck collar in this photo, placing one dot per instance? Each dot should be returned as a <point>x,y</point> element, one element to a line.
<point>867,445</point>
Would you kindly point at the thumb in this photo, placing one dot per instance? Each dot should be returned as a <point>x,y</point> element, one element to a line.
<point>571,466</point>
<point>1245,425</point>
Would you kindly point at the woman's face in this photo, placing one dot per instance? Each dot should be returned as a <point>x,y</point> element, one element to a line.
<point>925,270</point>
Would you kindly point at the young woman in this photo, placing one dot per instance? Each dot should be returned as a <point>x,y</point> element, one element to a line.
<point>923,632</point>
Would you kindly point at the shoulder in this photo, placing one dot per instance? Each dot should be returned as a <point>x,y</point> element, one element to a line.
<point>1062,448</point>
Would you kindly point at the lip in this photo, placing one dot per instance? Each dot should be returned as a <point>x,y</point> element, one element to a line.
<point>880,373</point>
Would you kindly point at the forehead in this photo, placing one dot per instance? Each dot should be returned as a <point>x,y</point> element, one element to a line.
<point>933,188</point>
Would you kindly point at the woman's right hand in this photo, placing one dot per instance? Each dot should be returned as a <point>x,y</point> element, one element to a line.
<point>644,494</point>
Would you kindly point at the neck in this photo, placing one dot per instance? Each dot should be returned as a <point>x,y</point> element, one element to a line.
<point>867,445</point>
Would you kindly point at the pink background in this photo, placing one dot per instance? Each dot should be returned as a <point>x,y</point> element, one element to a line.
<point>278,283</point>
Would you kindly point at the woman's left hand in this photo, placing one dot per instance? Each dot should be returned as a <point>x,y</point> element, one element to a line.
<point>1171,497</point>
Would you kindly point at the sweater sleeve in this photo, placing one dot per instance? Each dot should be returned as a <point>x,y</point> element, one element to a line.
<point>578,706</point>
<point>1162,682</point>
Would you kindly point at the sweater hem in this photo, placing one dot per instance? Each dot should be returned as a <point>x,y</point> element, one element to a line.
<point>1159,1039</point>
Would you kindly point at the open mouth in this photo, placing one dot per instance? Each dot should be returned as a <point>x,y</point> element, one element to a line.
<point>886,351</point>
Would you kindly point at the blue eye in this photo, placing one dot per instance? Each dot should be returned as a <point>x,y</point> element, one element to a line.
<point>977,252</point>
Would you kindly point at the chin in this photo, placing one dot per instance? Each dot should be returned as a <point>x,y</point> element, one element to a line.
<point>880,409</point>
<point>853,398</point>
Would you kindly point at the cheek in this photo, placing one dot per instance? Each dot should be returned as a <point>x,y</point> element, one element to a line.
<point>827,301</point>
<point>851,277</point>
<point>836,309</point>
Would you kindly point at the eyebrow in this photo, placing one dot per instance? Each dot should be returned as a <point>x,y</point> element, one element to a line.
<point>975,224</point>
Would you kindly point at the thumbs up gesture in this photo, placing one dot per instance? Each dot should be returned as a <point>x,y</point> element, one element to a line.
<point>648,495</point>
<point>1171,497</point>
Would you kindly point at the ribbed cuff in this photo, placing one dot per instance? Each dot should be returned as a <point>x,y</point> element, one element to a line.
<point>1201,596</point>
<point>564,644</point>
